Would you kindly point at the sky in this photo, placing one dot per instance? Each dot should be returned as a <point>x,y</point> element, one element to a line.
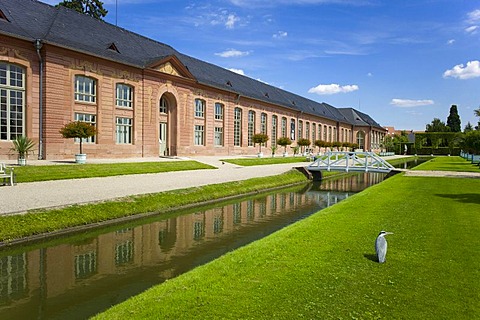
<point>403,62</point>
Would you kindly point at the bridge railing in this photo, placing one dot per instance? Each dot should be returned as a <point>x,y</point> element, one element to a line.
<point>350,161</point>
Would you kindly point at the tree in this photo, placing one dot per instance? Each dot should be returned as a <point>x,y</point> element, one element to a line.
<point>78,129</point>
<point>303,143</point>
<point>477,112</point>
<point>468,127</point>
<point>260,138</point>
<point>453,119</point>
<point>93,8</point>
<point>284,142</point>
<point>437,126</point>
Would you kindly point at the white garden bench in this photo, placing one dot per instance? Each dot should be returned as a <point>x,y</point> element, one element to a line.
<point>6,173</point>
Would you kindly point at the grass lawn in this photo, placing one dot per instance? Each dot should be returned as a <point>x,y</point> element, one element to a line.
<point>60,172</point>
<point>448,164</point>
<point>44,221</point>
<point>266,160</point>
<point>323,267</point>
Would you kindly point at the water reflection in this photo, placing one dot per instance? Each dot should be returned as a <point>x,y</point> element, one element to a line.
<point>78,280</point>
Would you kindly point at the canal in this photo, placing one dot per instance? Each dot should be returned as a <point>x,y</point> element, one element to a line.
<point>78,276</point>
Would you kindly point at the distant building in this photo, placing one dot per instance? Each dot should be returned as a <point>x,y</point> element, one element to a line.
<point>144,97</point>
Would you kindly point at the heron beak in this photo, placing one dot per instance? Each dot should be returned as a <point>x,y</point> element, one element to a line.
<point>389,232</point>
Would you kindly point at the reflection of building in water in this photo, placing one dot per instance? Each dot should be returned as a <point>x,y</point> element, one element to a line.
<point>54,271</point>
<point>354,183</point>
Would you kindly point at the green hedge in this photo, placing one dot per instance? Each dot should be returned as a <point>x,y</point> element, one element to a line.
<point>441,151</point>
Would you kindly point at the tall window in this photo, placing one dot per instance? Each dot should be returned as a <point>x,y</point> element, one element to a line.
<point>263,123</point>
<point>163,105</point>
<point>124,130</point>
<point>330,134</point>
<point>274,130</point>
<point>85,89</point>
<point>199,135</point>
<point>324,133</point>
<point>13,283</point>
<point>124,253</point>
<point>85,265</point>
<point>300,129</point>
<point>284,127</point>
<point>335,134</point>
<point>218,138</point>
<point>361,139</point>
<point>319,132</point>
<point>124,95</point>
<point>313,132</point>
<point>218,111</point>
<point>88,118</point>
<point>237,127</point>
<point>199,108</point>
<point>292,129</point>
<point>251,127</point>
<point>307,130</point>
<point>12,101</point>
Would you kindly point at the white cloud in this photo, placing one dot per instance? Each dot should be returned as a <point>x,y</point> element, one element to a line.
<point>232,53</point>
<point>471,29</point>
<point>369,74</point>
<point>239,71</point>
<point>404,103</point>
<point>474,16</point>
<point>269,3</point>
<point>451,41</point>
<point>280,34</point>
<point>231,20</point>
<point>471,70</point>
<point>325,89</point>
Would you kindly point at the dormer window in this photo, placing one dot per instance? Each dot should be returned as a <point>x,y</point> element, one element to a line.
<point>3,16</point>
<point>113,47</point>
<point>229,83</point>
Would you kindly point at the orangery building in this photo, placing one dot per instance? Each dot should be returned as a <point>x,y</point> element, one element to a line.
<point>145,98</point>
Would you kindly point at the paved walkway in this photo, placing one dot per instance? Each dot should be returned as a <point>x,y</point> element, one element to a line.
<point>48,194</point>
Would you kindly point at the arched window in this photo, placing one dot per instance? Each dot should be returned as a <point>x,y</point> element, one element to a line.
<point>237,127</point>
<point>300,129</point>
<point>124,95</point>
<point>263,123</point>
<point>219,111</point>
<point>284,127</point>
<point>251,127</point>
<point>274,130</point>
<point>85,89</point>
<point>163,105</point>
<point>199,108</point>
<point>12,101</point>
<point>361,139</point>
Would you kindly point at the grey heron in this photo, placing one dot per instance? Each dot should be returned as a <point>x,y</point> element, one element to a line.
<point>381,246</point>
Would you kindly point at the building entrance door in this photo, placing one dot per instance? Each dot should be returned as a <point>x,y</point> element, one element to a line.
<point>162,140</point>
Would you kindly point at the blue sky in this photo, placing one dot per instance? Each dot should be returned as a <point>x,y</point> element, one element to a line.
<point>403,62</point>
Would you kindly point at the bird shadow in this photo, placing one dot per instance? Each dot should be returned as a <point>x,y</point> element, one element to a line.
<point>372,257</point>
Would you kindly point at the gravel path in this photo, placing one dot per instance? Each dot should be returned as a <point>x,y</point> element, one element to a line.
<point>449,174</point>
<point>48,194</point>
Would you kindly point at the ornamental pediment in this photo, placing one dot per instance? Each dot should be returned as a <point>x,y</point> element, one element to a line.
<point>171,65</point>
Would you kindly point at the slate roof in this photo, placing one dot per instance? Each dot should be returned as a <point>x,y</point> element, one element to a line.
<point>30,20</point>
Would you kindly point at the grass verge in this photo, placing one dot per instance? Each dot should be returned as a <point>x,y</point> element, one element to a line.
<point>448,164</point>
<point>267,160</point>
<point>44,221</point>
<point>60,172</point>
<point>323,267</point>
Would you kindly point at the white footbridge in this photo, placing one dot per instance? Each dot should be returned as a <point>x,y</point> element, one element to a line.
<point>350,161</point>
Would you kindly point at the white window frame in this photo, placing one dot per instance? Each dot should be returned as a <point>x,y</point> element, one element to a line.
<point>90,119</point>
<point>219,109</point>
<point>124,130</point>
<point>199,135</point>
<point>85,89</point>
<point>163,105</point>
<point>251,127</point>
<point>237,127</point>
<point>200,108</point>
<point>12,101</point>
<point>124,95</point>
<point>218,136</point>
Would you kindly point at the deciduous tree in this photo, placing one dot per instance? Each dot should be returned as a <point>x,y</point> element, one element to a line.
<point>93,8</point>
